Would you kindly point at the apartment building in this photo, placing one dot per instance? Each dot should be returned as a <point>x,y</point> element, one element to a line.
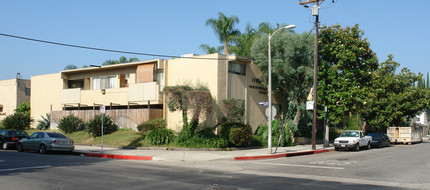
<point>133,92</point>
<point>12,93</point>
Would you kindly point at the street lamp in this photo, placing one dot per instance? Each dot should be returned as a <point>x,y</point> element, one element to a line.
<point>270,86</point>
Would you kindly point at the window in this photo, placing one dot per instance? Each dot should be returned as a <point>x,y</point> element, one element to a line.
<point>123,80</point>
<point>75,84</point>
<point>236,68</point>
<point>27,91</point>
<point>1,108</point>
<point>104,82</point>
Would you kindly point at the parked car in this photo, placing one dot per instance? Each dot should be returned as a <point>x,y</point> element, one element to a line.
<point>379,140</point>
<point>9,138</point>
<point>46,141</point>
<point>352,139</point>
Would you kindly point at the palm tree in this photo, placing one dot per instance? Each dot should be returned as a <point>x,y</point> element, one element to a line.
<point>45,123</point>
<point>224,28</point>
<point>243,42</point>
<point>210,49</point>
<point>121,60</point>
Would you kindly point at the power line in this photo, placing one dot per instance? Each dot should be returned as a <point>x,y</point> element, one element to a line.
<point>102,49</point>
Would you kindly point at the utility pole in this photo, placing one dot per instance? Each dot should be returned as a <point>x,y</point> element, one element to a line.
<point>315,13</point>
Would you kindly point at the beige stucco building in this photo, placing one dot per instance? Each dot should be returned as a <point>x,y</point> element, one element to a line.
<point>133,92</point>
<point>12,93</point>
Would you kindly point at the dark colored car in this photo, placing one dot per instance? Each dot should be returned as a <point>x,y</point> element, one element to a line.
<point>46,141</point>
<point>9,138</point>
<point>379,140</point>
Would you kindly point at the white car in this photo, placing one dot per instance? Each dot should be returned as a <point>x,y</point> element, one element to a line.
<point>352,139</point>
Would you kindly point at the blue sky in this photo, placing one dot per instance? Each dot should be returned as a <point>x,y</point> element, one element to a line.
<point>173,27</point>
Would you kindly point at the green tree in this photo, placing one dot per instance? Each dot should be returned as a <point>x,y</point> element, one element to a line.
<point>344,72</point>
<point>243,42</point>
<point>393,97</point>
<point>210,49</point>
<point>23,108</point>
<point>292,66</point>
<point>70,67</point>
<point>121,60</point>
<point>224,28</point>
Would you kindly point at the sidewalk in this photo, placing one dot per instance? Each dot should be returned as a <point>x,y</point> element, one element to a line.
<point>161,154</point>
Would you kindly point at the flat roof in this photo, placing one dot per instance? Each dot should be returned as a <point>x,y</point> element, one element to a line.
<point>114,66</point>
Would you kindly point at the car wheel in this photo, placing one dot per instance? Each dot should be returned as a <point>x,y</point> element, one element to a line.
<point>357,147</point>
<point>42,149</point>
<point>20,147</point>
<point>336,149</point>
<point>368,146</point>
<point>5,147</point>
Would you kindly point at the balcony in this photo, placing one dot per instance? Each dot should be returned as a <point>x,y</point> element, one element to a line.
<point>139,93</point>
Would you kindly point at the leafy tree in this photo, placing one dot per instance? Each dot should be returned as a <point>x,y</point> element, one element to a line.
<point>94,126</point>
<point>70,67</point>
<point>344,72</point>
<point>210,49</point>
<point>23,108</point>
<point>243,42</point>
<point>393,97</point>
<point>224,28</point>
<point>292,66</point>
<point>45,123</point>
<point>121,60</point>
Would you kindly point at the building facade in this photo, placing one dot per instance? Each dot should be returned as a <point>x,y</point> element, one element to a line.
<point>133,92</point>
<point>12,93</point>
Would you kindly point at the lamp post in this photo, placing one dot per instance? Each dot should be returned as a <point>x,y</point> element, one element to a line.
<point>270,87</point>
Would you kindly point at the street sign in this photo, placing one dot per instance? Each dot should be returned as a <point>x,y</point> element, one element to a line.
<point>309,105</point>
<point>102,109</point>
<point>263,103</point>
<point>273,112</point>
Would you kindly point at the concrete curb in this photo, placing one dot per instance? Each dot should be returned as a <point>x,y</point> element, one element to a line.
<point>281,155</point>
<point>124,157</point>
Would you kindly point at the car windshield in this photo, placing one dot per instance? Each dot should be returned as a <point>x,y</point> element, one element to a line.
<point>349,134</point>
<point>17,133</point>
<point>375,136</point>
<point>56,135</point>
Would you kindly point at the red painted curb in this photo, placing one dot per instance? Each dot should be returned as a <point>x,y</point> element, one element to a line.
<point>281,155</point>
<point>119,156</point>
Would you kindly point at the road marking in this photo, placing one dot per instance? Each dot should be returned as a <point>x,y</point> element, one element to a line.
<point>334,162</point>
<point>304,166</point>
<point>25,168</point>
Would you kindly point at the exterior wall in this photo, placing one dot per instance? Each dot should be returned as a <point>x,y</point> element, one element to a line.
<point>193,72</point>
<point>213,72</point>
<point>12,93</point>
<point>8,97</point>
<point>46,93</point>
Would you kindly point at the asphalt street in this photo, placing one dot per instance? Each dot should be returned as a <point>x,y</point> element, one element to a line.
<point>396,167</point>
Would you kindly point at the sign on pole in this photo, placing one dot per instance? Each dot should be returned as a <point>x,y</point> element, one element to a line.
<point>263,103</point>
<point>273,112</point>
<point>102,111</point>
<point>309,105</point>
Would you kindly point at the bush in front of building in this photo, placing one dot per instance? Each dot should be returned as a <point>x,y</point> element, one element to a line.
<point>17,121</point>
<point>237,134</point>
<point>204,138</point>
<point>70,124</point>
<point>160,136</point>
<point>158,123</point>
<point>45,123</point>
<point>94,126</point>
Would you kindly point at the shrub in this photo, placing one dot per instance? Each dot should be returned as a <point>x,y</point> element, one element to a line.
<point>45,123</point>
<point>159,123</point>
<point>237,134</point>
<point>261,134</point>
<point>17,121</point>
<point>160,136</point>
<point>94,126</point>
<point>233,109</point>
<point>70,124</point>
<point>204,138</point>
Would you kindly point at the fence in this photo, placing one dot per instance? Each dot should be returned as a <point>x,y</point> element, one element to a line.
<point>124,118</point>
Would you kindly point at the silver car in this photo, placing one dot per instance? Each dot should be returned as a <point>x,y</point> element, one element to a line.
<point>46,141</point>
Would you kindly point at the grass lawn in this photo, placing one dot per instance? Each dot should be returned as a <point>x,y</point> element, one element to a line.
<point>122,137</point>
